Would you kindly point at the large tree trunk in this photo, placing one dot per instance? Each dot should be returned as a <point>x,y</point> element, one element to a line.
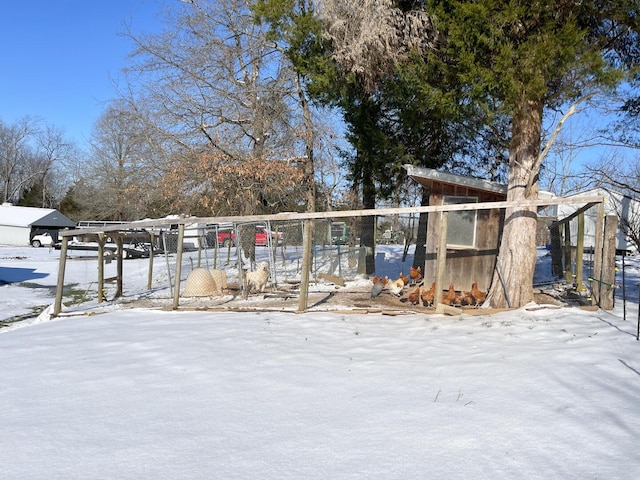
<point>512,284</point>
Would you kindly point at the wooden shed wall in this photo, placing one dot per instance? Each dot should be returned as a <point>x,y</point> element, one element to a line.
<point>466,265</point>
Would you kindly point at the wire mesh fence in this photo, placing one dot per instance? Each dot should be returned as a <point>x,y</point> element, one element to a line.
<point>236,249</point>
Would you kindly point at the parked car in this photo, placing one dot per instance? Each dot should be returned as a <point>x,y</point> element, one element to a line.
<point>262,235</point>
<point>228,238</point>
<point>42,240</point>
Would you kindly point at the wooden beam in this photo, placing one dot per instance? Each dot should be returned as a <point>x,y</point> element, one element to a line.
<point>448,310</point>
<point>287,216</point>
<point>579,211</point>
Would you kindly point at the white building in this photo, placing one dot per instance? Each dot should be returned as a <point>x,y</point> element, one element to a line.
<point>18,225</point>
<point>615,204</point>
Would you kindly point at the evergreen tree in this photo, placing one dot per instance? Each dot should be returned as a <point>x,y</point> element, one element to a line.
<point>519,59</point>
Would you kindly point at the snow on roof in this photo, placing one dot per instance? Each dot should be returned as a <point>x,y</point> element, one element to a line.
<point>453,179</point>
<point>11,215</point>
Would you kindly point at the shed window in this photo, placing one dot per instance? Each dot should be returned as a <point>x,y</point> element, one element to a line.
<point>461,226</point>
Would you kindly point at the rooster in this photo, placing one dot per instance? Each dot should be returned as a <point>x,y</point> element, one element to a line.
<point>478,296</point>
<point>378,285</point>
<point>415,274</point>
<point>396,286</point>
<point>429,295</point>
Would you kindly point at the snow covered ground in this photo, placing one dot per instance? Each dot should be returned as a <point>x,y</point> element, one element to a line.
<point>149,394</point>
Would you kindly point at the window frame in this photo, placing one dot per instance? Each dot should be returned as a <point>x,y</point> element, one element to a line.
<point>461,214</point>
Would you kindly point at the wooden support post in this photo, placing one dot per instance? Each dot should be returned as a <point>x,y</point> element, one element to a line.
<point>119,269</point>
<point>441,257</point>
<point>200,240</point>
<point>176,289</point>
<point>57,306</point>
<point>307,244</point>
<point>101,241</point>
<point>580,255</point>
<point>597,254</point>
<point>151,249</point>
<point>608,276</point>
<point>556,251</point>
<point>567,254</point>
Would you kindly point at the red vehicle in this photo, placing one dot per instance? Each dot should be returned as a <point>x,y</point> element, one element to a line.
<point>228,237</point>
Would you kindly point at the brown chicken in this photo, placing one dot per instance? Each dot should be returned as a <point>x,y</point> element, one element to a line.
<point>429,295</point>
<point>415,274</point>
<point>467,299</point>
<point>404,278</point>
<point>450,297</point>
<point>478,296</point>
<point>414,296</point>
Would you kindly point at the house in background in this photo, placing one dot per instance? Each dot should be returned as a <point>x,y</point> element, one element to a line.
<point>624,207</point>
<point>18,225</point>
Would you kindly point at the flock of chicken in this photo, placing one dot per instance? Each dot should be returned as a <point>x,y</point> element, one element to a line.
<point>420,294</point>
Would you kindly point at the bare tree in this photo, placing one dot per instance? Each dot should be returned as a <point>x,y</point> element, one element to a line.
<point>213,82</point>
<point>331,176</point>
<point>621,176</point>
<point>116,180</point>
<point>16,157</point>
<point>55,152</point>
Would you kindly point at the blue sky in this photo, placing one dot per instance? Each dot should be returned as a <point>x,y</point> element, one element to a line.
<point>60,58</point>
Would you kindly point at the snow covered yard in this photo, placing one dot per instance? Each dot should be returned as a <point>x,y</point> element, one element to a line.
<point>147,394</point>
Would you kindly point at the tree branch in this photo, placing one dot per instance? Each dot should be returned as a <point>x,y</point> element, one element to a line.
<point>573,109</point>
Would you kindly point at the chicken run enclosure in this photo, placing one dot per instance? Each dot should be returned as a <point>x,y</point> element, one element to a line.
<point>228,248</point>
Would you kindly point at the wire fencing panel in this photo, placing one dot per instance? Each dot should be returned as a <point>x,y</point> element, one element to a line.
<point>234,246</point>
<point>236,249</point>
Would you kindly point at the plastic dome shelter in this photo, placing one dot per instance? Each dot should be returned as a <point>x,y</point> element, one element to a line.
<point>200,283</point>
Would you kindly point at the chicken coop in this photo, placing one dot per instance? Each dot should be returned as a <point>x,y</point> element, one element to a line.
<point>460,250</point>
<point>472,235</point>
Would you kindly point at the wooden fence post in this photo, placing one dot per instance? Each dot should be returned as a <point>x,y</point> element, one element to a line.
<point>119,269</point>
<point>556,251</point>
<point>101,240</point>
<point>567,254</point>
<point>307,246</point>
<point>580,255</point>
<point>151,249</point>
<point>608,272</point>
<point>57,306</point>
<point>180,247</point>
<point>441,257</point>
<point>597,254</point>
